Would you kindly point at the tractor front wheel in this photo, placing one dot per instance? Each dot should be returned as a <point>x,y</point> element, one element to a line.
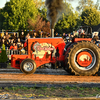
<point>28,66</point>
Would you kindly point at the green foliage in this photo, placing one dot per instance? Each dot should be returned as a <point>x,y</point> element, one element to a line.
<point>44,92</point>
<point>40,95</point>
<point>43,88</point>
<point>3,55</point>
<point>90,16</point>
<point>69,88</point>
<point>81,95</point>
<point>68,22</point>
<point>43,13</point>
<point>81,88</point>
<point>20,14</point>
<point>16,13</point>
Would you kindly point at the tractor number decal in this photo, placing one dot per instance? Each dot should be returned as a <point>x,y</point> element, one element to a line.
<point>40,49</point>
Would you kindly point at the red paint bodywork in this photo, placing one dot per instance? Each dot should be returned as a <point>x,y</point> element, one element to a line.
<point>57,43</point>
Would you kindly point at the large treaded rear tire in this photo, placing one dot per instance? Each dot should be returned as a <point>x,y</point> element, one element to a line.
<point>71,63</point>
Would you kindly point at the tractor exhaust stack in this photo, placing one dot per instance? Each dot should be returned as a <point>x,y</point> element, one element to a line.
<point>52,33</point>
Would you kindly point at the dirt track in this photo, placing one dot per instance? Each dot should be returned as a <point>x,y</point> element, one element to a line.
<point>50,78</point>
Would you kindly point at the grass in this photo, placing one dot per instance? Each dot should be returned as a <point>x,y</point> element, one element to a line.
<point>81,95</point>
<point>45,92</point>
<point>69,88</point>
<point>52,88</point>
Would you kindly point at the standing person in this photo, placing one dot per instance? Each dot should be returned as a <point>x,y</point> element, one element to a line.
<point>4,37</point>
<point>22,49</point>
<point>68,38</point>
<point>8,43</point>
<point>27,36</point>
<point>3,41</point>
<point>14,36</point>
<point>18,43</point>
<point>35,35</point>
<point>19,48</point>
<point>22,37</point>
<point>56,35</point>
<point>95,37</point>
<point>12,41</point>
<point>46,36</point>
<point>76,33</point>
<point>82,35</point>
<point>7,35</point>
<point>41,34</point>
<point>64,36</point>
<point>13,47</point>
<point>31,33</point>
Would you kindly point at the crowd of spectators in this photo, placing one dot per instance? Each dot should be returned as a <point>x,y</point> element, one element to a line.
<point>12,42</point>
<point>81,34</point>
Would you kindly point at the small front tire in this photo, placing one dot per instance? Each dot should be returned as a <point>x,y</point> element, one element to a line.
<point>28,66</point>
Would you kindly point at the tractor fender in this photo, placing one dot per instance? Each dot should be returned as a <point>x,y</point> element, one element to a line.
<point>66,47</point>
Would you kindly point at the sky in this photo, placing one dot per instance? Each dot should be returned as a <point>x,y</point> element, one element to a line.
<point>74,3</point>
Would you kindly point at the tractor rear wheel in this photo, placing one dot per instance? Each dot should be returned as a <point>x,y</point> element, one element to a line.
<point>28,66</point>
<point>83,58</point>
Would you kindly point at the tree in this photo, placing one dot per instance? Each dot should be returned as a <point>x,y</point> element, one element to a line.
<point>68,23</point>
<point>84,4</point>
<point>0,18</point>
<point>69,20</point>
<point>17,12</point>
<point>90,16</point>
<point>43,13</point>
<point>39,24</point>
<point>39,3</point>
<point>0,10</point>
<point>3,55</point>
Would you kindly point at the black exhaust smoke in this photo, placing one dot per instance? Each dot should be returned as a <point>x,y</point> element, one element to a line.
<point>54,10</point>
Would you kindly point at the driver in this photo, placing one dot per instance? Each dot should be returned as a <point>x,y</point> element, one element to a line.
<point>82,35</point>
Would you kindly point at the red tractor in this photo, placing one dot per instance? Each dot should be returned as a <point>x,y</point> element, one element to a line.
<point>80,57</point>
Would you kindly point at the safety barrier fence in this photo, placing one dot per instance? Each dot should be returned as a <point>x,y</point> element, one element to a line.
<point>10,52</point>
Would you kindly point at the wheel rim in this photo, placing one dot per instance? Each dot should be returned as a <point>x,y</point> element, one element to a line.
<point>85,59</point>
<point>28,66</point>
